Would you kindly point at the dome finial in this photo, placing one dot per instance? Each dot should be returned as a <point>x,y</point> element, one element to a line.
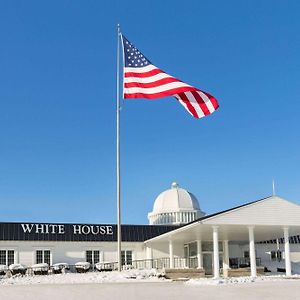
<point>174,185</point>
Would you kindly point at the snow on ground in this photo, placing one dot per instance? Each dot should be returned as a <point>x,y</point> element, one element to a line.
<point>146,285</point>
<point>89,277</point>
<point>240,280</point>
<point>167,290</point>
<point>128,276</point>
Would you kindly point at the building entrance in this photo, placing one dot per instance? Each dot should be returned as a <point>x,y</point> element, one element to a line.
<point>208,263</point>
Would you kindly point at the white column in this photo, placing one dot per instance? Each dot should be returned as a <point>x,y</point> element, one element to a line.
<point>252,251</point>
<point>148,252</point>
<point>216,252</point>
<point>149,257</point>
<point>171,254</point>
<point>199,254</point>
<point>288,269</point>
<point>225,258</point>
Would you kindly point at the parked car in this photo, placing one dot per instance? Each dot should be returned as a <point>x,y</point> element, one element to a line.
<point>3,269</point>
<point>40,269</point>
<point>60,267</point>
<point>82,267</point>
<point>17,269</point>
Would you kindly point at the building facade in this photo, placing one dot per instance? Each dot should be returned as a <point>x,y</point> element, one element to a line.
<point>180,235</point>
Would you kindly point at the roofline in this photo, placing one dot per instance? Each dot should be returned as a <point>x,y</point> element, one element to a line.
<point>208,217</point>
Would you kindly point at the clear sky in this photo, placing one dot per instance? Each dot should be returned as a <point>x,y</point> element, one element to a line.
<point>57,106</point>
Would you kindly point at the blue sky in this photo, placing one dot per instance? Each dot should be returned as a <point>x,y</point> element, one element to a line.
<point>57,106</point>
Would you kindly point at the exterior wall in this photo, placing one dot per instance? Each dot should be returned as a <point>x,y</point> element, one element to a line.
<point>264,251</point>
<point>70,252</point>
<point>73,252</point>
<point>235,250</point>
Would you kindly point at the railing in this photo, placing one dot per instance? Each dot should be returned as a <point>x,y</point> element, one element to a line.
<point>159,263</point>
<point>242,262</point>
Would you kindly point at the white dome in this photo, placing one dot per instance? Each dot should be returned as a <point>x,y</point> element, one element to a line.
<point>174,206</point>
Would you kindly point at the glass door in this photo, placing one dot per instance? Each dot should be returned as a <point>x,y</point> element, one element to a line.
<point>208,263</point>
<point>186,255</point>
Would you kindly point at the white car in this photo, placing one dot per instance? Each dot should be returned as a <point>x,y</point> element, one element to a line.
<point>57,268</point>
<point>82,266</point>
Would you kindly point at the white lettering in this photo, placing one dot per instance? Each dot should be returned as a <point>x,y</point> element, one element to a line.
<point>61,229</point>
<point>109,230</point>
<point>39,228</point>
<point>77,229</point>
<point>102,230</point>
<point>53,226</point>
<point>27,227</point>
<point>93,232</point>
<point>86,231</point>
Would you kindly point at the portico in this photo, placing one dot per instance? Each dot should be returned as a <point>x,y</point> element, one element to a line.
<point>208,241</point>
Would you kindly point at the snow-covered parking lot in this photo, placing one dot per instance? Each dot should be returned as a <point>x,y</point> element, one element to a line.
<point>267,290</point>
<point>133,284</point>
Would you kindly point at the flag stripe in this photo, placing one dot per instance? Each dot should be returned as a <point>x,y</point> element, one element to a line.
<point>147,68</point>
<point>201,103</point>
<point>163,93</point>
<point>187,104</point>
<point>143,74</point>
<point>207,101</point>
<point>195,104</point>
<point>156,83</point>
<point>180,86</point>
<point>213,100</point>
<point>153,78</point>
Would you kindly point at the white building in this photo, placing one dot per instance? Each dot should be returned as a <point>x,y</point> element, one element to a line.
<point>180,235</point>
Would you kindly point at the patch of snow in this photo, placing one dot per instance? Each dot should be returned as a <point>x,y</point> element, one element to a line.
<point>83,265</point>
<point>238,280</point>
<point>89,277</point>
<point>15,267</point>
<point>3,268</point>
<point>40,267</point>
<point>60,266</point>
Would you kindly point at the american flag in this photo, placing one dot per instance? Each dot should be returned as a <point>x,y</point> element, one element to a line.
<point>144,80</point>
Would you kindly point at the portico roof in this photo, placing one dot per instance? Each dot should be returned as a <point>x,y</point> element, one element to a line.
<point>268,216</point>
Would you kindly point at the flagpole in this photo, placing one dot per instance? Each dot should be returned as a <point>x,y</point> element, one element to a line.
<point>118,155</point>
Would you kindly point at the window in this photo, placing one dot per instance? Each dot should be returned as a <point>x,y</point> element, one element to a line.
<point>92,256</point>
<point>43,256</point>
<point>193,249</point>
<point>208,246</point>
<point>276,255</point>
<point>273,255</point>
<point>279,255</point>
<point>126,257</point>
<point>7,257</point>
<point>246,254</point>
